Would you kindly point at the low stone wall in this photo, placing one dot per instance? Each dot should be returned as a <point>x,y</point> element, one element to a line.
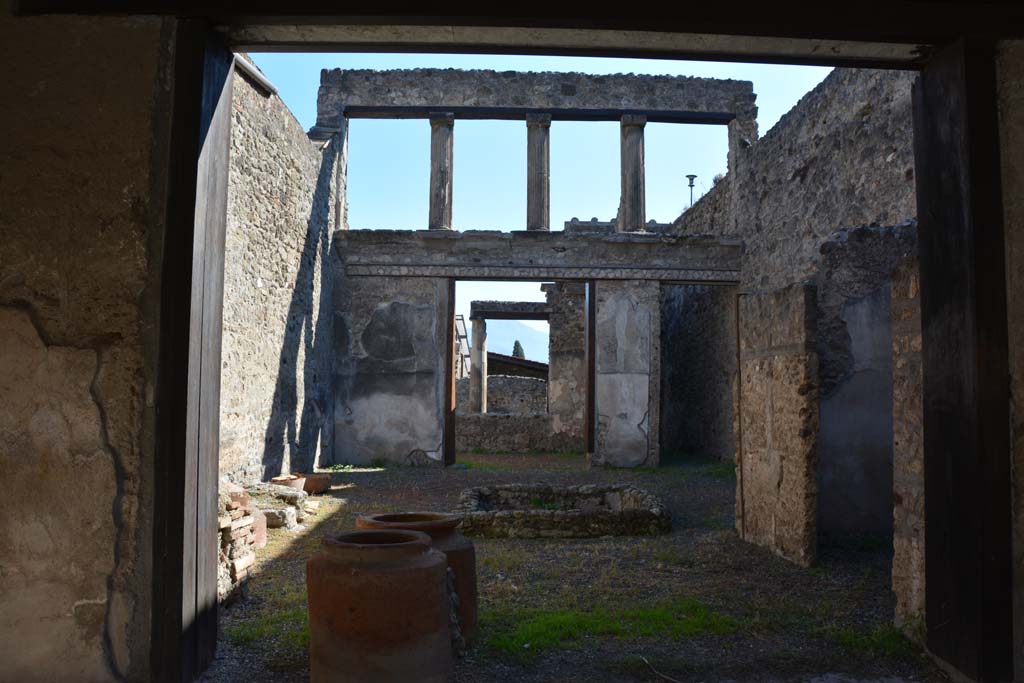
<point>908,562</point>
<point>243,530</point>
<point>506,394</point>
<point>544,511</point>
<point>506,433</point>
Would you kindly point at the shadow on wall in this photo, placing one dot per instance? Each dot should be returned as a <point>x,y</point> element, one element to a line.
<point>306,433</point>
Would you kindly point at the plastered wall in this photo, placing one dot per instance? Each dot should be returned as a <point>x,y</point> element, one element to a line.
<point>85,130</point>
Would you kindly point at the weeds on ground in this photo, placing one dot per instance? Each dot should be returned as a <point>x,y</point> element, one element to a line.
<point>883,639</point>
<point>500,559</point>
<point>523,634</point>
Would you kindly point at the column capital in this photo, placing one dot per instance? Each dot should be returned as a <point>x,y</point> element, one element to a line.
<point>442,118</point>
<point>633,120</point>
<point>543,120</point>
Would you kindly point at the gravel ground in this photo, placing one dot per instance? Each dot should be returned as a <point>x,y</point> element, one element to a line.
<point>769,620</point>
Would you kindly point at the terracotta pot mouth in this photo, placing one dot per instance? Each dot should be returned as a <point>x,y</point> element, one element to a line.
<point>419,521</point>
<point>374,545</point>
<point>375,538</point>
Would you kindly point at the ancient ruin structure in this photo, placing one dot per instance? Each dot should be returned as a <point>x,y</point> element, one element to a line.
<point>137,219</point>
<point>545,511</point>
<point>515,405</point>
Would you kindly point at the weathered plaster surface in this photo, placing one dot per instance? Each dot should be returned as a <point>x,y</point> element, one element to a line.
<point>908,561</point>
<point>1010,74</point>
<point>276,398</point>
<point>80,238</point>
<point>855,352</point>
<point>777,487</point>
<point>699,371</point>
<point>627,381</point>
<point>389,338</point>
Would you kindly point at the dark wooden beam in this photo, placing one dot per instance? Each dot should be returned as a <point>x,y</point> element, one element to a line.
<point>965,355</point>
<point>903,21</point>
<point>170,648</point>
<point>184,622</point>
<point>449,453</point>
<point>589,421</point>
<point>207,326</point>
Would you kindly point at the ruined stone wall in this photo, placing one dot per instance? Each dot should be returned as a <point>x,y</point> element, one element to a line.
<point>567,359</point>
<point>507,394</point>
<point>841,158</point>
<point>510,433</point>
<point>709,215</point>
<point>389,364</point>
<point>438,88</point>
<point>276,399</point>
<point>855,352</point>
<point>698,371</point>
<point>81,233</point>
<point>908,561</point>
<point>516,395</point>
<point>776,501</point>
<point>1010,74</point>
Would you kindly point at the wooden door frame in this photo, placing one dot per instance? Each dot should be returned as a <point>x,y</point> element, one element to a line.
<point>185,543</point>
<point>979,274</point>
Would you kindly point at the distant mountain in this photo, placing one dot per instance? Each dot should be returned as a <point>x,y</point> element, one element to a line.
<point>502,335</point>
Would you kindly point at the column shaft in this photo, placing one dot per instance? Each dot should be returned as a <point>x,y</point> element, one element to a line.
<point>441,138</point>
<point>478,367</point>
<point>632,206</point>
<point>538,176</point>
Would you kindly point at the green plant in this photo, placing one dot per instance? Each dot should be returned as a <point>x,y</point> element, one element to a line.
<point>525,633</point>
<point>884,639</point>
<point>541,504</point>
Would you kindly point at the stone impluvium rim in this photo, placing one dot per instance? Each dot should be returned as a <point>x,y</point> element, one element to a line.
<point>542,511</point>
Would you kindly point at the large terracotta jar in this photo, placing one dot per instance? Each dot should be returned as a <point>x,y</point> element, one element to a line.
<point>378,609</point>
<point>460,552</point>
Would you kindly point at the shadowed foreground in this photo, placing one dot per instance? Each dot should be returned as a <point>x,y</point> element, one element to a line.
<point>698,604</point>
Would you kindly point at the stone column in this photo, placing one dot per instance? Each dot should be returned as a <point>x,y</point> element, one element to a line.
<point>538,180</point>
<point>478,367</point>
<point>632,206</point>
<point>627,373</point>
<point>441,136</point>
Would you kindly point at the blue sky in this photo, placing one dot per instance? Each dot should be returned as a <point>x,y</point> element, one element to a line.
<point>389,161</point>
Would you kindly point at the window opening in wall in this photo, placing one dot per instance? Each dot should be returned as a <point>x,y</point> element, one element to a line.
<point>584,171</point>
<point>490,181</point>
<point>674,151</point>
<point>388,174</point>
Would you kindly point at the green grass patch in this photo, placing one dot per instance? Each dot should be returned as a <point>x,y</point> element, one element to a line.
<point>523,634</point>
<point>289,626</point>
<point>716,523</point>
<point>884,639</point>
<point>541,504</point>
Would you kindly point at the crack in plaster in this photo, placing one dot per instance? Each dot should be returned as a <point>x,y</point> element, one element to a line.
<point>97,348</point>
